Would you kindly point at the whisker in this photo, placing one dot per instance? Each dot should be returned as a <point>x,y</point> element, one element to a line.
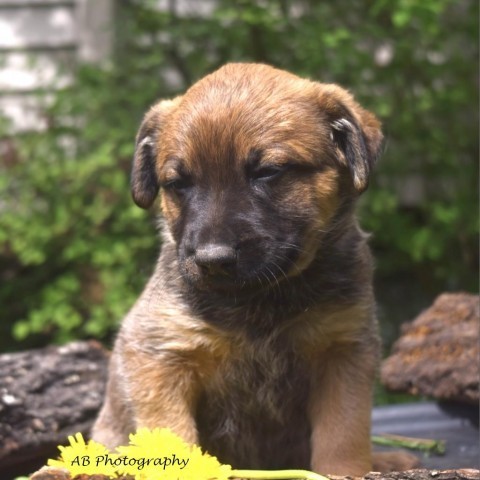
<point>277,283</point>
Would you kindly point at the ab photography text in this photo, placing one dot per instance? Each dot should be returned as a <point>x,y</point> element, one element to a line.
<point>124,461</point>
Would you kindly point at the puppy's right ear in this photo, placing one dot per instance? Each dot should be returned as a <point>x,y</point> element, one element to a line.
<point>144,179</point>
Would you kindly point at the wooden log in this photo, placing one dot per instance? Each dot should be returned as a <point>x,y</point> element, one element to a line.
<point>422,474</point>
<point>46,395</point>
<point>419,474</point>
<point>437,354</point>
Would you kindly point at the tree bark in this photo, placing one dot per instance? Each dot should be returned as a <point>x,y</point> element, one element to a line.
<point>420,474</point>
<point>46,395</point>
<point>437,354</point>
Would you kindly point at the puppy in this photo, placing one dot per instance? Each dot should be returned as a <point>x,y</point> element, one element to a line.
<point>256,335</point>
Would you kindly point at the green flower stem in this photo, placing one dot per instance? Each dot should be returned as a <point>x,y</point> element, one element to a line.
<point>277,474</point>
<point>425,445</point>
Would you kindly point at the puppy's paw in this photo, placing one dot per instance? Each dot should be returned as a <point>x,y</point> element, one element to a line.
<point>398,461</point>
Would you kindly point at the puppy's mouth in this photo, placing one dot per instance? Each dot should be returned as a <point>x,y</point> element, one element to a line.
<point>211,276</point>
<point>221,279</point>
<point>224,270</point>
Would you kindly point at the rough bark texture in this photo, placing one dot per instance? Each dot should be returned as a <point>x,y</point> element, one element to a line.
<point>463,474</point>
<point>437,354</point>
<point>46,395</point>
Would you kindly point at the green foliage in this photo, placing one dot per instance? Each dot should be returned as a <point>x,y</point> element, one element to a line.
<point>75,251</point>
<point>69,232</point>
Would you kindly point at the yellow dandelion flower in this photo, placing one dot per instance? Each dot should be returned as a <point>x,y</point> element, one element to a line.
<point>157,454</point>
<point>208,465</point>
<point>87,458</point>
<point>160,454</point>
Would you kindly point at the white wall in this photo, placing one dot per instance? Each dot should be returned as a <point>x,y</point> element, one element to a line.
<point>40,43</point>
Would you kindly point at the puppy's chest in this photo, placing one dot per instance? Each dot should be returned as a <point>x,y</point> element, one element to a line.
<point>254,402</point>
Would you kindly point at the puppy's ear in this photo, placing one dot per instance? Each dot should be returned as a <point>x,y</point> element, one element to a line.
<point>356,133</point>
<point>144,180</point>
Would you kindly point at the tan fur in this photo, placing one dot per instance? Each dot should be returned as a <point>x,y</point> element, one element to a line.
<point>279,376</point>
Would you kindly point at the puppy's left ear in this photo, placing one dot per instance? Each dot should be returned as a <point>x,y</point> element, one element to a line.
<point>144,180</point>
<point>356,133</point>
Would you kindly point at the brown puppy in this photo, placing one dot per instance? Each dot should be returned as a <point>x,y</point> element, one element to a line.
<point>256,335</point>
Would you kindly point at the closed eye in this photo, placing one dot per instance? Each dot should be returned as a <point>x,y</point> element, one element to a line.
<point>179,184</point>
<point>174,176</point>
<point>268,172</point>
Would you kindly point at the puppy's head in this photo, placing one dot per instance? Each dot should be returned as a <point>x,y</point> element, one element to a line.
<point>253,164</point>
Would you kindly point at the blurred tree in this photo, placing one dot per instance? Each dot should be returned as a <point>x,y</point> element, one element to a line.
<point>75,251</point>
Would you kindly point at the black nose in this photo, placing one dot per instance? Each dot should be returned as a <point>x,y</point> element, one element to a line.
<point>215,259</point>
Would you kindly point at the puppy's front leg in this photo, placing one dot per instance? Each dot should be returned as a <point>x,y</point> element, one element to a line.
<point>340,410</point>
<point>162,393</point>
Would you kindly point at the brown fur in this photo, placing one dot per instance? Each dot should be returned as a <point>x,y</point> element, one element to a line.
<point>267,361</point>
